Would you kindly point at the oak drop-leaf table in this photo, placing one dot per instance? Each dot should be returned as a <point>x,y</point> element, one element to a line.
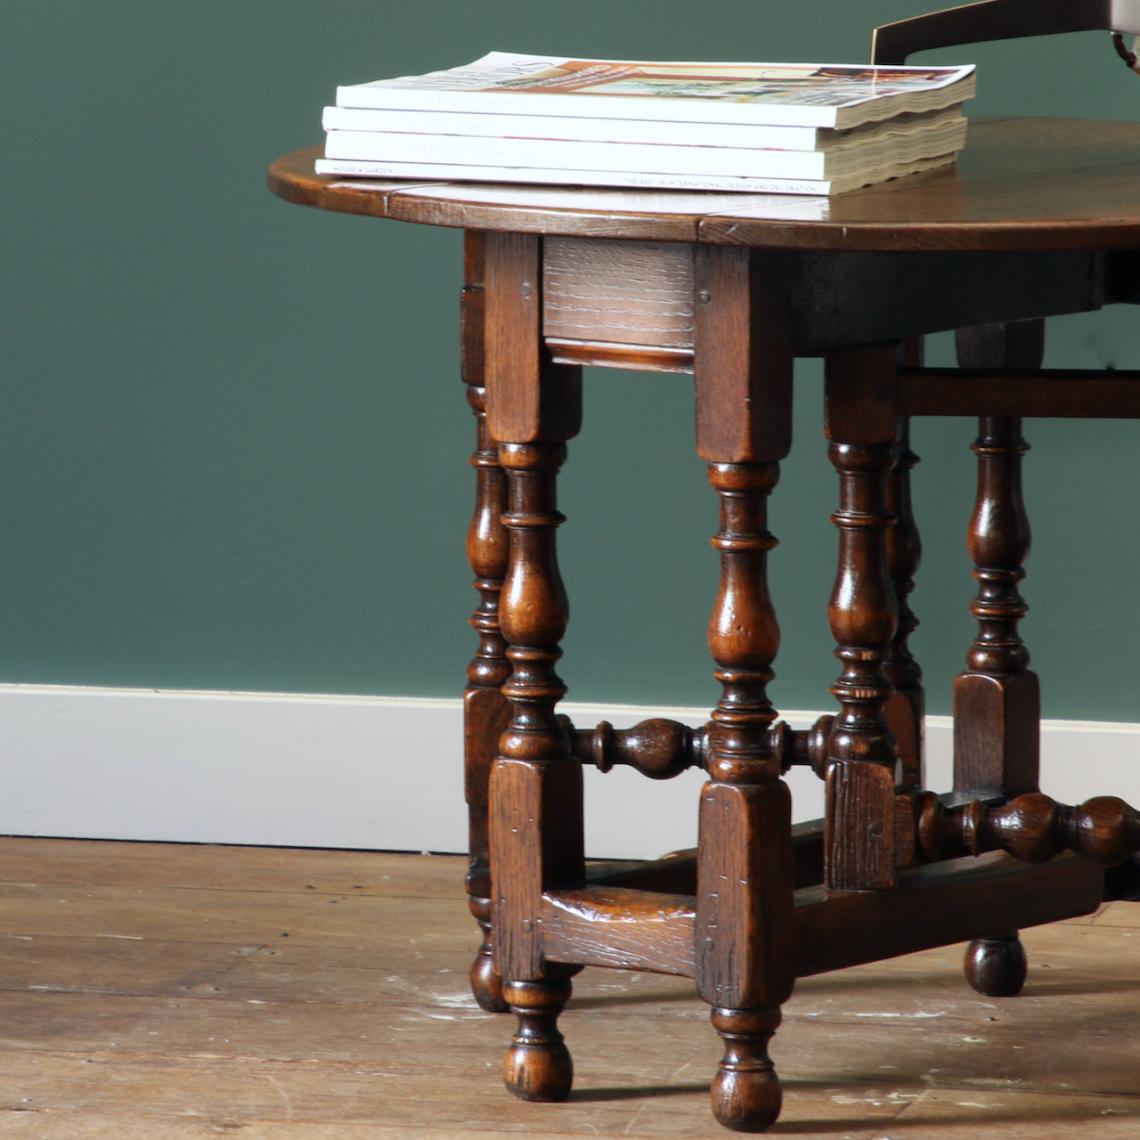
<point>1040,217</point>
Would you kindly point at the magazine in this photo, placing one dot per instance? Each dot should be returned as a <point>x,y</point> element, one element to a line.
<point>561,154</point>
<point>578,128</point>
<point>775,94</point>
<point>426,171</point>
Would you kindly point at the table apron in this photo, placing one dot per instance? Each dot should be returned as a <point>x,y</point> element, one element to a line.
<point>630,304</point>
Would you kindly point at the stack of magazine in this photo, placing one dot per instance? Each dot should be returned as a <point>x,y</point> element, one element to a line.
<point>755,127</point>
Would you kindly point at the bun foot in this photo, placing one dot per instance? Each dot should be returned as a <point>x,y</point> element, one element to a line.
<point>486,985</point>
<point>537,1065</point>
<point>996,967</point>
<point>746,1094</point>
<point>539,1072</point>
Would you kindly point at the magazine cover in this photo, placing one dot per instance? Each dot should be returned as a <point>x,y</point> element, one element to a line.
<point>800,85</point>
<point>767,91</point>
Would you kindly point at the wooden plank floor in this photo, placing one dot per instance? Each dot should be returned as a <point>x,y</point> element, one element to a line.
<point>167,992</point>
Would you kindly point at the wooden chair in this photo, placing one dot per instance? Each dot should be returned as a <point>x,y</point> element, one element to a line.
<point>1003,20</point>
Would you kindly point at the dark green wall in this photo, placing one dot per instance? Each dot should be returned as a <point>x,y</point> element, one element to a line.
<point>234,443</point>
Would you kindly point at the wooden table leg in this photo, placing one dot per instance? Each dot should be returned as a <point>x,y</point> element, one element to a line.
<point>536,787</point>
<point>997,701</point>
<point>745,869</point>
<point>905,708</point>
<point>536,783</point>
<point>485,709</point>
<point>745,903</point>
<point>859,852</point>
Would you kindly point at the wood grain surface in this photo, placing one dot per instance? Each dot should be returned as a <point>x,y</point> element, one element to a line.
<point>612,291</point>
<point>1019,184</point>
<point>173,992</point>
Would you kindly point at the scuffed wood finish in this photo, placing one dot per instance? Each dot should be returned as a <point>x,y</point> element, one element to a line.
<point>1020,184</point>
<point>745,952</point>
<point>860,412</point>
<point>206,1006</point>
<point>619,926</point>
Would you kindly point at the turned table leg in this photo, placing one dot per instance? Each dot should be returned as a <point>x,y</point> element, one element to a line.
<point>859,822</point>
<point>536,842</point>
<point>745,869</point>
<point>905,707</point>
<point>485,709</point>
<point>997,702</point>
<point>745,901</point>
<point>536,787</point>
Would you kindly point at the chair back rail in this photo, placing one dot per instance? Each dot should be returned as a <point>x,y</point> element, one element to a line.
<point>1000,20</point>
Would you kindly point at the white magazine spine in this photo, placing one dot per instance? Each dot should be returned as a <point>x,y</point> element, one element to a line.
<point>577,128</point>
<point>607,107</point>
<point>559,154</point>
<point>442,171</point>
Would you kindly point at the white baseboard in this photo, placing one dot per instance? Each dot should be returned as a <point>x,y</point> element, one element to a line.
<point>373,772</point>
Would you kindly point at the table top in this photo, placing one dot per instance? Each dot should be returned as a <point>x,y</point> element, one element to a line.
<point>1020,184</point>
